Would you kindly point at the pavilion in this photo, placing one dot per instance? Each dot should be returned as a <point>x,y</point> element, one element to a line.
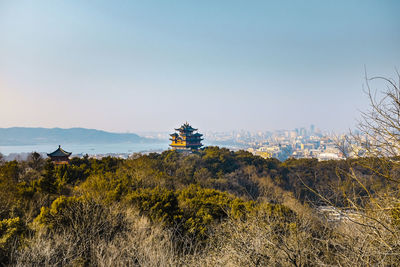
<point>60,156</point>
<point>186,140</point>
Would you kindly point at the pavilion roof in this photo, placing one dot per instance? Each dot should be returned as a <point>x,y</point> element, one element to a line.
<point>59,153</point>
<point>186,127</point>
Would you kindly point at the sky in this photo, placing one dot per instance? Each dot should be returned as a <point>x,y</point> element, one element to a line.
<point>135,66</point>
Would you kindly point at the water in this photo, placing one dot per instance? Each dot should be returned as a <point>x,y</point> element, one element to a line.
<point>90,149</point>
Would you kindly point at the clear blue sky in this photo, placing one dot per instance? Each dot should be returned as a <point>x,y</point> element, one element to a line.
<point>221,65</point>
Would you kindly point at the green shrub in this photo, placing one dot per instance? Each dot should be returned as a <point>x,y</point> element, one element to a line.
<point>241,209</point>
<point>158,204</point>
<point>105,187</point>
<point>54,216</point>
<point>202,207</point>
<point>395,214</point>
<point>10,231</point>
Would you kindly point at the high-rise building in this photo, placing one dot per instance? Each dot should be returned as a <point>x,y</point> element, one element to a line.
<point>312,128</point>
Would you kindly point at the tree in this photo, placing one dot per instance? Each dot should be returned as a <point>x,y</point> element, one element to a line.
<point>35,161</point>
<point>381,124</point>
<point>373,198</point>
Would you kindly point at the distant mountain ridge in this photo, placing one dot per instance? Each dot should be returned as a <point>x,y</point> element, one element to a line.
<point>36,136</point>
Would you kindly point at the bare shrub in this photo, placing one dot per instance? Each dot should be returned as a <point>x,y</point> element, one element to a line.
<point>145,244</point>
<point>71,233</point>
<point>266,241</point>
<point>371,234</point>
<point>95,235</point>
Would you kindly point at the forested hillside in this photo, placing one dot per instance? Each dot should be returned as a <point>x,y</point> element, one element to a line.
<point>213,207</point>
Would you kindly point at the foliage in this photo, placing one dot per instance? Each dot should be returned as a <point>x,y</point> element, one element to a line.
<point>161,205</point>
<point>395,214</point>
<point>201,207</point>
<point>10,231</point>
<point>53,216</point>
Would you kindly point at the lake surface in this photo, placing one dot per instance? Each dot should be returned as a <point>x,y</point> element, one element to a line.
<point>90,149</point>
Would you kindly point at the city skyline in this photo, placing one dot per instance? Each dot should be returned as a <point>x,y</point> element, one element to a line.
<point>166,132</point>
<point>283,144</point>
<point>228,65</point>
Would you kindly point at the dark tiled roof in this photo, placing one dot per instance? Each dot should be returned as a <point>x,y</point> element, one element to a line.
<point>186,127</point>
<point>59,153</point>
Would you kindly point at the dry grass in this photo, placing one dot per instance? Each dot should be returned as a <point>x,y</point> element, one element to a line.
<point>119,236</point>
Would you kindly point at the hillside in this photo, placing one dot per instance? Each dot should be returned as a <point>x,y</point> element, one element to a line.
<point>215,207</point>
<point>35,136</point>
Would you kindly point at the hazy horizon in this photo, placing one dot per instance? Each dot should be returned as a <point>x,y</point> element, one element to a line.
<point>134,66</point>
<point>142,133</point>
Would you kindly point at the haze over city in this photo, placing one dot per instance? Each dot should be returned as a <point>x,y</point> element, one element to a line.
<point>221,65</point>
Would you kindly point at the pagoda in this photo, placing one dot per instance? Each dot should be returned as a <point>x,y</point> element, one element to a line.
<point>186,140</point>
<point>60,156</point>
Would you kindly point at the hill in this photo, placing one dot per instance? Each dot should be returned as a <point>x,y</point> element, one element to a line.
<point>35,136</point>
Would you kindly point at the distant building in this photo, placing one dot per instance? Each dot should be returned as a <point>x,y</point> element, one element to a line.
<point>186,140</point>
<point>312,129</point>
<point>328,156</point>
<point>60,156</point>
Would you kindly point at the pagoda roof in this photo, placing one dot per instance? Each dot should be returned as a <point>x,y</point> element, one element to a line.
<point>59,153</point>
<point>186,127</point>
